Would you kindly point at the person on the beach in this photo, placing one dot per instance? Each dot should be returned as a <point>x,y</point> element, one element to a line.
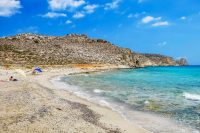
<point>12,79</point>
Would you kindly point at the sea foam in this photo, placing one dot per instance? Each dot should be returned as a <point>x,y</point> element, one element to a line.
<point>98,91</point>
<point>123,109</point>
<point>190,96</point>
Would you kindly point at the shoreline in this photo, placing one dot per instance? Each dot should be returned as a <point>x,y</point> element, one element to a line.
<point>152,117</point>
<point>100,108</point>
<point>101,118</point>
<point>38,94</point>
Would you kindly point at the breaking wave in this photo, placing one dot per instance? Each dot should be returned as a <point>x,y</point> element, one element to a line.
<point>190,96</point>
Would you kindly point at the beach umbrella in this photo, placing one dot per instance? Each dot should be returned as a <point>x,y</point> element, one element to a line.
<point>21,72</point>
<point>38,69</point>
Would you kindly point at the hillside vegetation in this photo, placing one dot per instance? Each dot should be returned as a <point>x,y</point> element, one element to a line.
<point>32,49</point>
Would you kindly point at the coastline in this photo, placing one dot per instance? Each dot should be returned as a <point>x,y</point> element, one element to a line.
<point>150,121</point>
<point>34,104</point>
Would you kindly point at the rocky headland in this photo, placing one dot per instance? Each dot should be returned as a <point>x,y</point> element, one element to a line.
<point>31,49</point>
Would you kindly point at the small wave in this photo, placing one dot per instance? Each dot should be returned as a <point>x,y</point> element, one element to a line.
<point>194,97</point>
<point>104,103</point>
<point>137,117</point>
<point>98,91</point>
<point>86,75</point>
<point>60,85</point>
<point>146,102</point>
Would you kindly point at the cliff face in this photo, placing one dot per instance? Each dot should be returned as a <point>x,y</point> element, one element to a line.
<point>161,60</point>
<point>182,62</point>
<point>31,49</point>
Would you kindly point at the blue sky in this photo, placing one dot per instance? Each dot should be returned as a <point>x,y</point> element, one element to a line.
<point>170,27</point>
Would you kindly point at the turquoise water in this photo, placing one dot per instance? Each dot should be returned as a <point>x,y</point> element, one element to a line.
<point>172,92</point>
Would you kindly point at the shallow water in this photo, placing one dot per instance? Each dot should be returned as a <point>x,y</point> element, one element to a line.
<point>139,94</point>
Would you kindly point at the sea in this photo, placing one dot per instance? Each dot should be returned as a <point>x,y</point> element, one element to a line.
<point>159,99</point>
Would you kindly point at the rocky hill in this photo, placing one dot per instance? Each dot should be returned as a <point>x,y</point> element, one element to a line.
<point>32,49</point>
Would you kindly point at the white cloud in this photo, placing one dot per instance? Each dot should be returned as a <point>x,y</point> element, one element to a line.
<point>54,15</point>
<point>113,5</point>
<point>9,7</point>
<point>162,23</point>
<point>183,18</point>
<point>149,19</point>
<point>156,21</point>
<point>68,22</point>
<point>90,8</point>
<point>64,4</point>
<point>158,18</point>
<point>78,15</point>
<point>161,44</point>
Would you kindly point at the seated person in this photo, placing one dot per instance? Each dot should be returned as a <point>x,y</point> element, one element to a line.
<point>12,79</point>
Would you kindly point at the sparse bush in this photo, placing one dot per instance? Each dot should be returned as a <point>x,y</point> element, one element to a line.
<point>29,66</point>
<point>7,66</point>
<point>36,41</point>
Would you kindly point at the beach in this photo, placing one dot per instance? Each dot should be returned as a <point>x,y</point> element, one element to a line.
<point>34,104</point>
<point>113,66</point>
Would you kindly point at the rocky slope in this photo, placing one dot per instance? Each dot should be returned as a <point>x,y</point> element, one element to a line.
<point>32,49</point>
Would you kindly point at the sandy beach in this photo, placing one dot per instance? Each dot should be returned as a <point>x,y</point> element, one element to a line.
<point>89,66</point>
<point>33,104</point>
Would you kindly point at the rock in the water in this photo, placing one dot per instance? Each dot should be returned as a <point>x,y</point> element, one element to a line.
<point>182,62</point>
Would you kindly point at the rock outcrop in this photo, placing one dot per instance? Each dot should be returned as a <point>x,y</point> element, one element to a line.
<point>32,49</point>
<point>182,62</point>
<point>160,60</point>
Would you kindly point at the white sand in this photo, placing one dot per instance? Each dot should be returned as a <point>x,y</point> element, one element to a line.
<point>33,104</point>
